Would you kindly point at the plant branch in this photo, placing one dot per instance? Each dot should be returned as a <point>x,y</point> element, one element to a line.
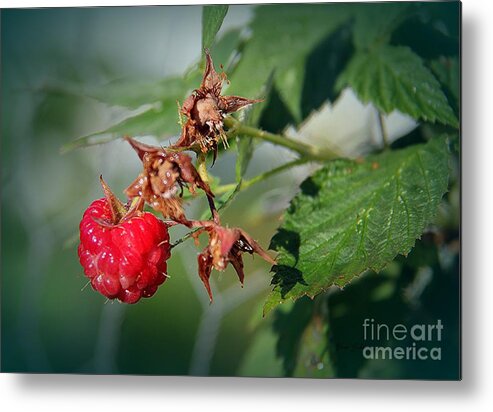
<point>263,176</point>
<point>305,150</point>
<point>183,238</point>
<point>383,131</point>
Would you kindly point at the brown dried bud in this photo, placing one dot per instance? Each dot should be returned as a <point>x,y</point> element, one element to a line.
<point>163,176</point>
<point>205,110</point>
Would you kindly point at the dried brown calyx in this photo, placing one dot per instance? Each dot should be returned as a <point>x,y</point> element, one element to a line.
<point>226,245</point>
<point>120,212</point>
<point>162,179</point>
<point>205,110</point>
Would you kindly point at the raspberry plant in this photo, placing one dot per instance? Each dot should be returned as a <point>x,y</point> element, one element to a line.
<point>352,216</point>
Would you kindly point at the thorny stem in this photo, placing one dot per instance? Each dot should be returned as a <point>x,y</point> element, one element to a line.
<point>305,150</point>
<point>197,225</point>
<point>183,238</point>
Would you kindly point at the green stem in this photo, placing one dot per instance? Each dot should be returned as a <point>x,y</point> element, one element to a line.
<point>183,238</point>
<point>247,183</point>
<point>274,171</point>
<point>305,150</point>
<point>383,131</point>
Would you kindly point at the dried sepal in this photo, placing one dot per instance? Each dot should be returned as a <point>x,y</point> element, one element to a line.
<point>226,245</point>
<point>162,179</point>
<point>205,268</point>
<point>205,110</point>
<point>141,148</point>
<point>117,207</point>
<point>120,211</point>
<point>212,82</point>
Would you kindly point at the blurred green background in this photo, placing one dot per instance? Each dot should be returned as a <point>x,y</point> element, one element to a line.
<point>53,322</point>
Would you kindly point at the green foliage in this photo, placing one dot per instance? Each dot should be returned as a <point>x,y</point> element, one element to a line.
<point>395,78</point>
<point>353,216</point>
<point>289,326</point>
<point>154,122</point>
<point>447,71</point>
<point>160,120</point>
<point>282,38</point>
<point>375,22</point>
<point>391,77</point>
<point>225,47</point>
<point>245,144</point>
<point>302,339</point>
<point>245,153</point>
<point>323,337</point>
<point>212,19</point>
<point>133,94</point>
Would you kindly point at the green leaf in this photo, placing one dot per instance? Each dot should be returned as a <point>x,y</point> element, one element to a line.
<point>245,151</point>
<point>353,216</point>
<point>225,47</point>
<point>447,71</point>
<point>161,123</point>
<point>282,38</point>
<point>395,78</point>
<point>160,120</point>
<point>133,94</point>
<point>212,18</point>
<point>375,22</point>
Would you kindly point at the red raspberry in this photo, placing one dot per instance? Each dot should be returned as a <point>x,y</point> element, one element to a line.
<point>123,256</point>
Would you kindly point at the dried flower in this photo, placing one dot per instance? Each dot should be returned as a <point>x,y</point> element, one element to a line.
<point>226,245</point>
<point>163,176</point>
<point>205,110</point>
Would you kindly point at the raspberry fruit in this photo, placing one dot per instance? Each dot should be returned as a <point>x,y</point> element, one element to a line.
<point>123,250</point>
